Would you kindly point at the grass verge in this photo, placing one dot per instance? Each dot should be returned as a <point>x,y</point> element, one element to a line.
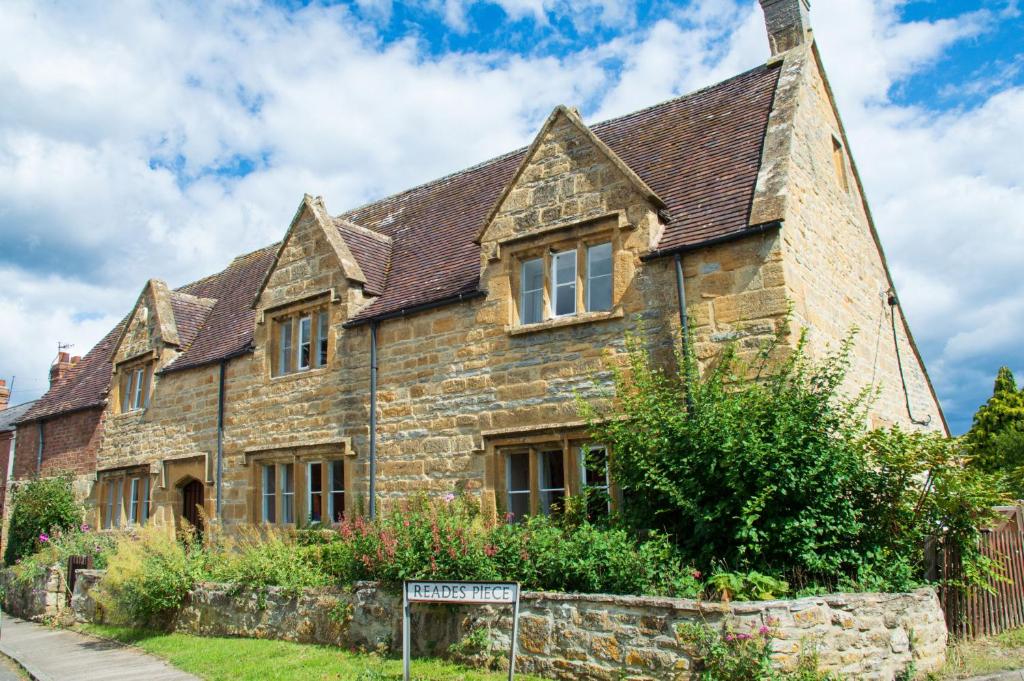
<point>982,656</point>
<point>249,659</point>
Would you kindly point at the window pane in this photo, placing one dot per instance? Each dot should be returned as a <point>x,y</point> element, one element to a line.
<point>563,278</point>
<point>126,397</point>
<point>108,517</point>
<point>321,336</point>
<point>518,506</point>
<point>140,377</point>
<point>599,277</point>
<point>305,329</point>
<point>118,502</point>
<point>288,493</point>
<point>519,472</point>
<point>552,481</point>
<point>269,509</point>
<point>315,491</point>
<point>337,490</point>
<point>531,299</point>
<point>145,500</point>
<point>284,347</point>
<point>133,504</point>
<point>594,466</point>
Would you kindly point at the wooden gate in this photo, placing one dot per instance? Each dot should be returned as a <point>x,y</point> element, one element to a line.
<point>975,612</point>
<point>76,563</point>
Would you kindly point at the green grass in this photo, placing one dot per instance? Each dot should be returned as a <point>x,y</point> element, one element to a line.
<point>249,659</point>
<point>983,656</point>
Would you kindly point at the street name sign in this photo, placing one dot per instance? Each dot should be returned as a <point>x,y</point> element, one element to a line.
<point>482,593</point>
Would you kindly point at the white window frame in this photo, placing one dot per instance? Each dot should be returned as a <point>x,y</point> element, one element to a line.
<point>309,491</point>
<point>331,491</point>
<point>584,452</point>
<point>140,381</point>
<point>287,481</point>
<point>126,399</point>
<point>528,492</point>
<point>145,500</point>
<point>268,498</point>
<point>133,502</point>
<point>118,502</point>
<point>322,333</point>
<point>543,491</point>
<point>284,346</point>
<point>305,342</point>
<point>572,255</point>
<point>591,279</point>
<point>524,292</point>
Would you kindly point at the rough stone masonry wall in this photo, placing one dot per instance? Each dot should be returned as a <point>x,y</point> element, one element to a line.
<point>834,271</point>
<point>578,636</point>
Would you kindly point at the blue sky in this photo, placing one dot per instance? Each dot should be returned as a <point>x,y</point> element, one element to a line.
<point>147,139</point>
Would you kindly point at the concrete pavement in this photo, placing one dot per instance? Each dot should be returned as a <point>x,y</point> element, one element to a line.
<point>62,655</point>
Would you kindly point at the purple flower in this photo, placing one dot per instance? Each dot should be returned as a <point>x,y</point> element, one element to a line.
<point>764,631</point>
<point>44,537</point>
<point>449,498</point>
<point>730,638</point>
<point>85,527</point>
<point>509,517</point>
<point>743,637</point>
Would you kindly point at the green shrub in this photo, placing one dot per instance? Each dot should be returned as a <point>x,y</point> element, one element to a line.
<point>61,545</point>
<point>148,576</point>
<point>768,467</point>
<point>260,557</point>
<point>742,655</point>
<point>41,507</point>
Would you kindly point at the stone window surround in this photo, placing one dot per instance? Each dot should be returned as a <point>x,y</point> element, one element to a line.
<point>294,310</point>
<point>839,160</point>
<point>299,456</point>
<point>124,377</point>
<point>106,482</point>
<point>570,442</point>
<point>579,236</point>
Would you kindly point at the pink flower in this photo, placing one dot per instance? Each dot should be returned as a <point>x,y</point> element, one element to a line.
<point>696,574</point>
<point>764,631</point>
<point>85,527</point>
<point>449,498</point>
<point>730,638</point>
<point>509,517</point>
<point>44,537</point>
<point>490,550</point>
<point>743,637</point>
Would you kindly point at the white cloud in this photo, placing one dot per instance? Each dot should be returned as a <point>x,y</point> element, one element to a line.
<point>114,117</point>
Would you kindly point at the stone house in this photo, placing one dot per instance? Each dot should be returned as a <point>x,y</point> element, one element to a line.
<point>436,340</point>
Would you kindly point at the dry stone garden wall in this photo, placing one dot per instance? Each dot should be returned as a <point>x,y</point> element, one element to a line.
<point>575,636</point>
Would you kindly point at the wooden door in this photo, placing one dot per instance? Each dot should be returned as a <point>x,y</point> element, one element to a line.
<point>192,500</point>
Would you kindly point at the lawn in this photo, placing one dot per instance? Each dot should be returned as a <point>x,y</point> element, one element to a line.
<point>985,655</point>
<point>248,659</point>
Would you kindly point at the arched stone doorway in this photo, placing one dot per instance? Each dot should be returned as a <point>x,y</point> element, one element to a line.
<point>191,503</point>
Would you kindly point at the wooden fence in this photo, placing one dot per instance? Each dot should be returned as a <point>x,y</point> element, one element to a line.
<point>976,612</point>
<point>76,563</point>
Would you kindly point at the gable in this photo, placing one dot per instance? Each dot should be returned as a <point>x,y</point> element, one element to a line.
<point>568,174</point>
<point>151,325</point>
<point>312,258</point>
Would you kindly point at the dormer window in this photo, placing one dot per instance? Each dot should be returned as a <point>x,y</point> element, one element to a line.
<point>134,386</point>
<point>578,280</point>
<point>301,341</point>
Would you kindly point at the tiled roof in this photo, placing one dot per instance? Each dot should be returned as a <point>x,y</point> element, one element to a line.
<point>228,329</point>
<point>373,253</point>
<point>84,386</point>
<point>700,153</point>
<point>11,415</point>
<point>190,313</point>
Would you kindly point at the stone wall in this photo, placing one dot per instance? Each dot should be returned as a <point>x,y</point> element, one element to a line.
<point>41,599</point>
<point>834,269</point>
<point>577,636</point>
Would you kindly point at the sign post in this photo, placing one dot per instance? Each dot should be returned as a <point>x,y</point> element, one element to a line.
<point>485,593</point>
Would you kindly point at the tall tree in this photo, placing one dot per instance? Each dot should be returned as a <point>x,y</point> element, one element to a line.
<point>997,434</point>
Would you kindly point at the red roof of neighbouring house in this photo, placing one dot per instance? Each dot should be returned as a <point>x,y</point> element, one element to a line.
<point>699,153</point>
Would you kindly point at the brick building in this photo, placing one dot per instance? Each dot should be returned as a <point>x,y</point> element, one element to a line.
<point>9,417</point>
<point>437,339</point>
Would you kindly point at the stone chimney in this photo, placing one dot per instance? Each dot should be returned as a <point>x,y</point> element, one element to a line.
<point>788,23</point>
<point>61,366</point>
<point>5,394</point>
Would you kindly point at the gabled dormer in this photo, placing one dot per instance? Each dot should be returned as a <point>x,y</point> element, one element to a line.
<point>314,284</point>
<point>161,326</point>
<point>561,242</point>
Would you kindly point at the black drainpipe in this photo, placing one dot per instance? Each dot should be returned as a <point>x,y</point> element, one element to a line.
<point>373,420</point>
<point>39,449</point>
<point>684,324</point>
<point>220,440</point>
